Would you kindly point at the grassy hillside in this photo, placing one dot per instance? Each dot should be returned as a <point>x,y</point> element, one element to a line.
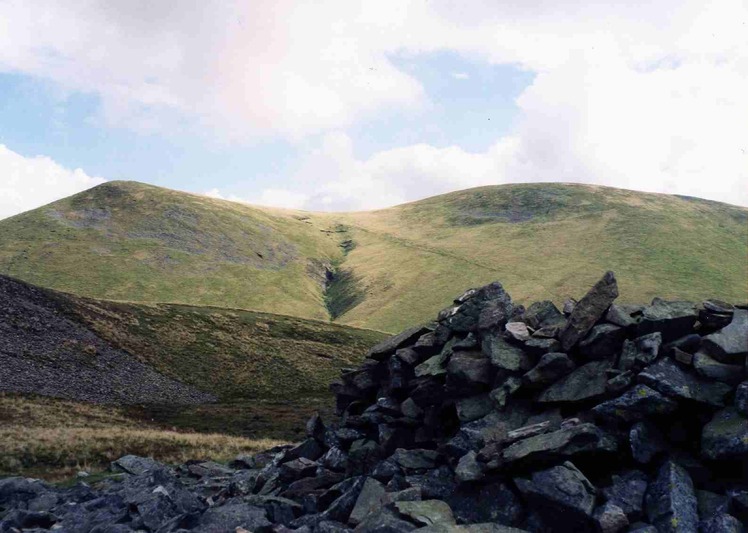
<point>394,267</point>
<point>130,241</point>
<point>269,373</point>
<point>542,241</point>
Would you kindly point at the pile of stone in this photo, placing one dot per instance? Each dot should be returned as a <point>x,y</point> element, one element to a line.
<point>495,418</point>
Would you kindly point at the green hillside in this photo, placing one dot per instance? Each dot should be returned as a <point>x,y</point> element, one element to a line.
<point>135,242</point>
<point>393,267</point>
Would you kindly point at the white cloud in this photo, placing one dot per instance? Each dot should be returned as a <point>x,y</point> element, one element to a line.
<point>640,95</point>
<point>460,75</point>
<point>30,182</point>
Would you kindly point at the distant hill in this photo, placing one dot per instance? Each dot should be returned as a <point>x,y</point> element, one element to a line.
<point>139,243</point>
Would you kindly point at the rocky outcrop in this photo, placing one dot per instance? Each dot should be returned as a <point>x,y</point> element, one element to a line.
<point>491,419</point>
<point>44,351</point>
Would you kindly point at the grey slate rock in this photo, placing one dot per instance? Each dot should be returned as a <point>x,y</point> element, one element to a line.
<point>231,516</point>
<point>541,346</point>
<point>586,382</point>
<point>564,443</point>
<point>486,502</point>
<point>563,496</point>
<point>416,459</point>
<point>609,518</point>
<point>713,369</point>
<point>550,368</point>
<point>387,347</point>
<point>711,503</point>
<point>721,523</point>
<point>730,344</point>
<point>603,340</point>
<point>369,501</point>
<point>672,319</point>
<point>474,407</point>
<point>426,512</point>
<point>627,492</point>
<point>589,310</point>
<point>384,522</point>
<point>671,501</point>
<point>468,468</point>
<point>504,355</point>
<point>469,370</point>
<point>542,314</point>
<point>636,404</point>
<point>485,308</point>
<point>668,378</point>
<point>500,395</point>
<point>619,316</point>
<point>646,442</point>
<point>741,398</point>
<point>132,464</point>
<point>725,436</point>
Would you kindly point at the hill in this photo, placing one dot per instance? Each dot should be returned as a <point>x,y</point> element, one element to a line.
<point>134,242</point>
<point>170,381</point>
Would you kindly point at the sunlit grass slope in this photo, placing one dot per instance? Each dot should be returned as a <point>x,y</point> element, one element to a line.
<point>542,241</point>
<point>397,266</point>
<point>130,241</point>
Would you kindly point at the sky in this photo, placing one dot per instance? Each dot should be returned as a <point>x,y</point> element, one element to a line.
<point>345,105</point>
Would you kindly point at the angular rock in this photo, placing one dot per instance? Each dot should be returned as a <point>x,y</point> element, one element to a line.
<point>517,331</point>
<point>668,378</point>
<point>586,382</point>
<point>602,341</point>
<point>726,436</point>
<point>640,352</point>
<point>469,370</point>
<point>468,468</point>
<point>688,343</point>
<point>409,356</point>
<point>713,369</point>
<point>387,347</point>
<point>501,394</point>
<point>229,517</point>
<point>646,442</point>
<point>504,355</point>
<point>551,367</point>
<point>730,344</point>
<point>609,518</point>
<point>636,404</point>
<point>492,502</point>
<point>132,464</point>
<point>474,407</point>
<point>563,496</point>
<point>671,500</point>
<point>564,443</point>
<point>384,522</point>
<point>721,523</point>
<point>589,310</point>
<point>672,319</point>
<point>426,513</point>
<point>416,459</point>
<point>542,314</point>
<point>710,504</point>
<point>410,409</point>
<point>485,308</point>
<point>369,501</point>
<point>627,492</point>
<point>538,347</point>
<point>741,398</point>
<point>619,316</point>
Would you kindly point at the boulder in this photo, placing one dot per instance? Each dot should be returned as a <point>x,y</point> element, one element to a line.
<point>725,436</point>
<point>563,496</point>
<point>603,340</point>
<point>551,367</point>
<point>132,464</point>
<point>389,346</point>
<point>486,502</point>
<point>567,442</point>
<point>586,382</point>
<point>542,314</point>
<point>230,517</point>
<point>627,493</point>
<point>721,523</point>
<point>730,344</point>
<point>589,310</point>
<point>741,398</point>
<point>638,403</point>
<point>469,371</point>
<point>517,331</point>
<point>468,468</point>
<point>426,513</point>
<point>474,407</point>
<point>538,347</point>
<point>672,319</point>
<point>416,459</point>
<point>619,316</point>
<point>671,500</point>
<point>711,368</point>
<point>646,442</point>
<point>504,355</point>
<point>609,518</point>
<point>500,395</point>
<point>486,308</point>
<point>668,378</point>
<point>369,501</point>
<point>384,522</point>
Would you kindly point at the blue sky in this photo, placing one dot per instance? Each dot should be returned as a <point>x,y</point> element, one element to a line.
<point>344,105</point>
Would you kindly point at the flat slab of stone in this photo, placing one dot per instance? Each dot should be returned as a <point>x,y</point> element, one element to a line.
<point>589,310</point>
<point>671,380</point>
<point>730,344</point>
<point>726,436</point>
<point>426,512</point>
<point>638,403</point>
<point>671,500</point>
<point>586,382</point>
<point>388,346</point>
